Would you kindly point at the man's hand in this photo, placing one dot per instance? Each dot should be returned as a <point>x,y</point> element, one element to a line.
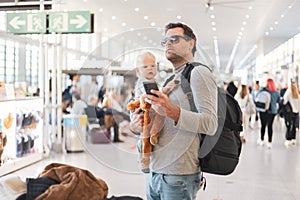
<point>137,120</point>
<point>163,101</point>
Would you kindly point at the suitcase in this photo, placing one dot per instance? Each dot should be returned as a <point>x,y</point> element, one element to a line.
<point>99,136</point>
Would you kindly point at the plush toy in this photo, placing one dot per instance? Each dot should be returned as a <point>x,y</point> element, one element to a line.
<point>150,131</point>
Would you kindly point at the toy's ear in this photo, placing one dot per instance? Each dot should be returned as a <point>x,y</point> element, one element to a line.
<point>133,105</point>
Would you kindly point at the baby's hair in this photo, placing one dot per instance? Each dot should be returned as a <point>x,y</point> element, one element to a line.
<point>143,55</point>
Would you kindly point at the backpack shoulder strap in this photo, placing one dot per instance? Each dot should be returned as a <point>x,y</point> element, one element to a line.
<point>185,82</point>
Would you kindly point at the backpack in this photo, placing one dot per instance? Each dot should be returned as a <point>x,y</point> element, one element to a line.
<point>262,101</point>
<point>218,154</point>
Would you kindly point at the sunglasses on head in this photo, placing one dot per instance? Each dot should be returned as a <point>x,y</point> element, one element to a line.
<point>173,39</point>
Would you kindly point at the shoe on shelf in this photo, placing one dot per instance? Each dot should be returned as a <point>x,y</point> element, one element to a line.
<point>287,143</point>
<point>293,142</point>
<point>260,142</point>
<point>269,145</point>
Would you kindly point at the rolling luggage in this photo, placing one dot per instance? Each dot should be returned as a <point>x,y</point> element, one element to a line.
<point>99,135</point>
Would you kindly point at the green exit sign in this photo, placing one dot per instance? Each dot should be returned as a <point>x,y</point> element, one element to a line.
<point>26,22</point>
<point>70,22</point>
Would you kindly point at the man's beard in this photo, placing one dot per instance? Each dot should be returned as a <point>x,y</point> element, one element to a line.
<point>175,58</point>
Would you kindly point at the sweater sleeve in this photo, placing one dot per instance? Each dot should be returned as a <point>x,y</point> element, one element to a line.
<point>204,89</point>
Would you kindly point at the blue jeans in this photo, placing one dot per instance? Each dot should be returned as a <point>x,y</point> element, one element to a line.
<point>172,187</point>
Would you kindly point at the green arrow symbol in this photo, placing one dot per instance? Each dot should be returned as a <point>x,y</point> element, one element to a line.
<point>15,22</point>
<point>80,21</point>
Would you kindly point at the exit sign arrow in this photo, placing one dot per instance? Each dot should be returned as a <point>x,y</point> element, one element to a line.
<point>80,21</point>
<point>16,23</point>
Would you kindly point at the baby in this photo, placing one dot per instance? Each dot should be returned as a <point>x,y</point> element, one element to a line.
<point>146,69</point>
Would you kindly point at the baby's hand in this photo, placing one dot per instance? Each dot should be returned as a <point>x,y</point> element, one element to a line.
<point>169,86</point>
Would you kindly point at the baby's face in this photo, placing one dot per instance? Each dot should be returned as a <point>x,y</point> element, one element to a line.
<point>148,68</point>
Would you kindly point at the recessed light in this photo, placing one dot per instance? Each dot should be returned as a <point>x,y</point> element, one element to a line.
<point>100,9</point>
<point>152,23</point>
<point>290,7</point>
<point>84,0</point>
<point>213,23</point>
<point>123,24</point>
<point>178,17</point>
<point>240,33</point>
<point>244,23</point>
<point>267,33</point>
<point>136,9</point>
<point>211,8</point>
<point>131,29</point>
<point>214,28</point>
<point>242,28</point>
<point>271,28</point>
<point>276,22</point>
<point>212,16</point>
<point>146,17</point>
<point>250,7</point>
<point>247,16</point>
<point>282,15</point>
<point>113,17</point>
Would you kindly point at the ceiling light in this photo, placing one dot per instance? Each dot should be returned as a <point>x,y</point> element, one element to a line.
<point>123,24</point>
<point>247,56</point>
<point>290,7</point>
<point>244,23</point>
<point>250,7</point>
<point>211,8</point>
<point>84,0</point>
<point>276,22</point>
<point>113,17</point>
<point>136,9</point>
<point>282,15</point>
<point>271,28</point>
<point>178,17</point>
<point>247,16</point>
<point>105,29</point>
<point>267,33</point>
<point>152,23</point>
<point>212,16</point>
<point>240,33</point>
<point>146,17</point>
<point>100,9</point>
<point>214,28</point>
<point>242,28</point>
<point>131,29</point>
<point>213,23</point>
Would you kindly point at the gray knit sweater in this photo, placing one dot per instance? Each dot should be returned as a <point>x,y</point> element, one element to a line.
<point>177,150</point>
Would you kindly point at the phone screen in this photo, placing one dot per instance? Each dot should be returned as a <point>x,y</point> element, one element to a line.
<point>150,86</point>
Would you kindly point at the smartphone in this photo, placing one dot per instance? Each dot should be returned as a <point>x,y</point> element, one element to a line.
<point>148,85</point>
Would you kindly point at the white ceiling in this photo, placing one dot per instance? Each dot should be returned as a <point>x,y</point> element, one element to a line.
<point>229,18</point>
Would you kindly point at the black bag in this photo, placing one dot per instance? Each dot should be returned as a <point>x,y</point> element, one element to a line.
<point>285,111</point>
<point>218,154</point>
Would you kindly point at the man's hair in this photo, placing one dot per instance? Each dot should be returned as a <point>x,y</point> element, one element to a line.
<point>187,32</point>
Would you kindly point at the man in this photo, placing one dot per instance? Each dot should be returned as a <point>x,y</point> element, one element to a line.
<point>174,168</point>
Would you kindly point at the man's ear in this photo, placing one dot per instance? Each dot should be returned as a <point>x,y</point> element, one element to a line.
<point>191,43</point>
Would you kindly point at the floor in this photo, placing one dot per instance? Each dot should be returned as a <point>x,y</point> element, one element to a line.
<point>262,174</point>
